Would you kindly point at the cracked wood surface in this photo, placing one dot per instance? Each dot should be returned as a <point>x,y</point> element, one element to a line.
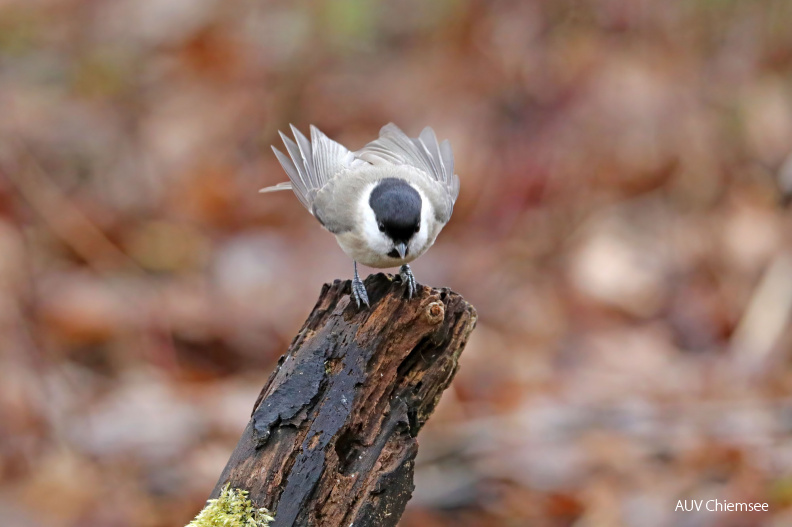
<point>332,438</point>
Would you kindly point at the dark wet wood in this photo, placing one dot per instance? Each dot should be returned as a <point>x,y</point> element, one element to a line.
<point>332,438</point>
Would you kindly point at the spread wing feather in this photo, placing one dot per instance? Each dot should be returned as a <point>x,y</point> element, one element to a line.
<point>424,153</point>
<point>330,157</point>
<point>310,164</point>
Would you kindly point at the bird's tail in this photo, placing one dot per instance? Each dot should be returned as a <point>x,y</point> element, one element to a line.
<point>286,185</point>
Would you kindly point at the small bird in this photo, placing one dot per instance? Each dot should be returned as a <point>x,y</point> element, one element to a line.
<point>385,203</point>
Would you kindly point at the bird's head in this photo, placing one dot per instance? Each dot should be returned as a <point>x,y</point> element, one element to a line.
<point>397,208</point>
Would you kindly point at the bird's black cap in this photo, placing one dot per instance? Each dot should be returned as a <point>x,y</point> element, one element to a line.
<point>397,207</point>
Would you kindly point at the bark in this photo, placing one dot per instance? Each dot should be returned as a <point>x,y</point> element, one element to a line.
<point>332,439</point>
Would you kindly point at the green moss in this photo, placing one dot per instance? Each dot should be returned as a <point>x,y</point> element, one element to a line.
<point>231,509</point>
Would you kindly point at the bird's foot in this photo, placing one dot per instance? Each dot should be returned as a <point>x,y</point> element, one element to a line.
<point>359,290</point>
<point>408,280</point>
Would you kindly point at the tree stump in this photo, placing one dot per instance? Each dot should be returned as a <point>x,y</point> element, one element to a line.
<point>332,438</point>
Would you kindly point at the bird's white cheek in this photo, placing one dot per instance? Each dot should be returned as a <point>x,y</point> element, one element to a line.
<point>377,242</point>
<point>421,239</point>
<point>368,229</point>
<point>418,242</point>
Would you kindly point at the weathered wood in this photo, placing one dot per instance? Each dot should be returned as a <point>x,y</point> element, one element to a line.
<point>332,438</point>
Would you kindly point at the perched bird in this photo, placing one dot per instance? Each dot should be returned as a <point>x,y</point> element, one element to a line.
<point>385,203</point>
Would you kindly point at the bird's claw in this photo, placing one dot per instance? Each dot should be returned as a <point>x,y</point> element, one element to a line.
<point>408,280</point>
<point>359,290</point>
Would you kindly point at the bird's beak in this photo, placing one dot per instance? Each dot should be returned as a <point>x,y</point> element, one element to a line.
<point>401,249</point>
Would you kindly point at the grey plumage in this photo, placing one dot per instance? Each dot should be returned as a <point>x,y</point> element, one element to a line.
<point>310,164</point>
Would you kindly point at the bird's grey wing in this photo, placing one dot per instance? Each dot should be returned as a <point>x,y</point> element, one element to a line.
<point>310,165</point>
<point>422,152</point>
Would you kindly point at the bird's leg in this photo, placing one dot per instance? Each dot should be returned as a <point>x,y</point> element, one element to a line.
<point>408,279</point>
<point>359,290</point>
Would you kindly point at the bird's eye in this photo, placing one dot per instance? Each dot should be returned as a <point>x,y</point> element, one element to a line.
<point>417,227</point>
<point>381,226</point>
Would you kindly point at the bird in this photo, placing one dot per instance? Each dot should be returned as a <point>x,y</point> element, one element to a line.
<point>385,203</point>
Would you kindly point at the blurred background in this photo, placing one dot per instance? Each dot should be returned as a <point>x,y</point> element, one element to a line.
<point>622,230</point>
